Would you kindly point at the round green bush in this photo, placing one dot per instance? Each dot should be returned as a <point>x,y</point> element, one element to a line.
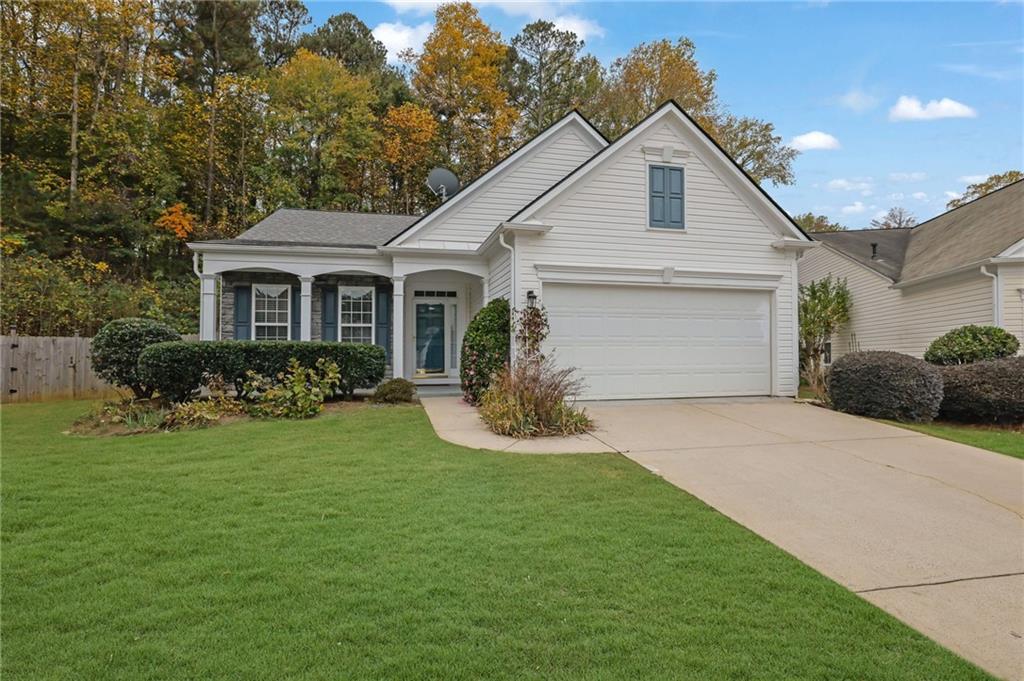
<point>116,348</point>
<point>885,385</point>
<point>485,348</point>
<point>394,391</point>
<point>972,343</point>
<point>984,392</point>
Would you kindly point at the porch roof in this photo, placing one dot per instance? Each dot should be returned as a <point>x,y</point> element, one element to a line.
<point>294,227</point>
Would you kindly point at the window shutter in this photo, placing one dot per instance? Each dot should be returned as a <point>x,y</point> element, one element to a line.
<point>382,316</point>
<point>296,313</point>
<point>674,198</point>
<point>657,197</point>
<point>243,312</point>
<point>329,313</point>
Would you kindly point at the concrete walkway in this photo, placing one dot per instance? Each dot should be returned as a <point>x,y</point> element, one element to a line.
<point>929,530</point>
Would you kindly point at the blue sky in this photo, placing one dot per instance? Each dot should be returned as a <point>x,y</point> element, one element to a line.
<point>893,103</point>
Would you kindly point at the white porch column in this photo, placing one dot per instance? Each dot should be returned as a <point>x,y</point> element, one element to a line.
<point>306,309</point>
<point>398,327</point>
<point>208,307</point>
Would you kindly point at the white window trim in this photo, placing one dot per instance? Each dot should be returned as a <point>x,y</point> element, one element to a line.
<point>288,326</point>
<point>373,312</point>
<point>647,194</point>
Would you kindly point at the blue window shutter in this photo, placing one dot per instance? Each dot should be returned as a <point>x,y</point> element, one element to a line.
<point>657,195</point>
<point>329,313</point>
<point>382,334</point>
<point>296,313</point>
<point>674,198</point>
<point>243,312</point>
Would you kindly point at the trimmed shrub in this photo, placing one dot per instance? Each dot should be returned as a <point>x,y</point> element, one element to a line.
<point>984,392</point>
<point>972,343</point>
<point>177,370</point>
<point>116,348</point>
<point>394,391</point>
<point>886,385</point>
<point>533,398</point>
<point>296,393</point>
<point>485,348</point>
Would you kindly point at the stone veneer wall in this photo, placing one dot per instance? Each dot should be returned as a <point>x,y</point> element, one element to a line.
<point>232,279</point>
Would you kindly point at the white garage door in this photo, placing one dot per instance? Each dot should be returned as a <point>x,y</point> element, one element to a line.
<point>639,341</point>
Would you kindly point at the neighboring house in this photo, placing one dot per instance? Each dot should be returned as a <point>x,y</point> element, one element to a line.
<point>665,270</point>
<point>910,286</point>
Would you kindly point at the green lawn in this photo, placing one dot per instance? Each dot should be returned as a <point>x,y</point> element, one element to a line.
<point>358,545</point>
<point>1001,440</point>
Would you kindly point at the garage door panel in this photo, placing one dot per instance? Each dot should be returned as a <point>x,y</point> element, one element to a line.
<point>662,342</point>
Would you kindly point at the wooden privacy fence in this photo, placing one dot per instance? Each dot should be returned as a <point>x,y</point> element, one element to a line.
<point>48,368</point>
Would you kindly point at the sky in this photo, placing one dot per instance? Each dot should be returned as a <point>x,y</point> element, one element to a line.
<point>891,104</point>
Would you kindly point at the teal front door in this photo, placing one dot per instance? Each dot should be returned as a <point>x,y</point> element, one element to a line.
<point>430,345</point>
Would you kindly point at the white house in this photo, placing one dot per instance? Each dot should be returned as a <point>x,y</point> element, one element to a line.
<point>910,286</point>
<point>665,270</point>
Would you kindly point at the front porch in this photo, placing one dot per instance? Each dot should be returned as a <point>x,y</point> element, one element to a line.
<point>417,311</point>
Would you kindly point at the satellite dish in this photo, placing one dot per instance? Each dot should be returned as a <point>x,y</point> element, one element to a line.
<point>443,183</point>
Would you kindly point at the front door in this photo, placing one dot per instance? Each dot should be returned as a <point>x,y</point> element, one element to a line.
<point>430,338</point>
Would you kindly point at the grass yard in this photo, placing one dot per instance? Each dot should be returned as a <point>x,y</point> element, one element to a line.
<point>358,545</point>
<point>1001,440</point>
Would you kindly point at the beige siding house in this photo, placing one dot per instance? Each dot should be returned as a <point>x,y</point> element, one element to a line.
<point>666,271</point>
<point>910,286</point>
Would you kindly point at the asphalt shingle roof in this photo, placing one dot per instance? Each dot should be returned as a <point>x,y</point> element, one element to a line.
<point>294,227</point>
<point>976,231</point>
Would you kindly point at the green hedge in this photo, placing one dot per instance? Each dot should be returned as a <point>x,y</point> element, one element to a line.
<point>984,392</point>
<point>116,348</point>
<point>178,369</point>
<point>885,385</point>
<point>972,343</point>
<point>485,348</point>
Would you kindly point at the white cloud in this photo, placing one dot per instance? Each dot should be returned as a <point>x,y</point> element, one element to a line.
<point>982,72</point>
<point>815,139</point>
<point>920,196</point>
<point>551,11</point>
<point>856,184</point>
<point>951,195</point>
<point>413,6</point>
<point>910,109</point>
<point>855,208</point>
<point>858,100</point>
<point>896,196</point>
<point>972,179</point>
<point>398,37</point>
<point>916,176</point>
<point>584,28</point>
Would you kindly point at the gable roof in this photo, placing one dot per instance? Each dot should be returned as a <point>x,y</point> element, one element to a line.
<point>856,245</point>
<point>970,234</point>
<point>538,140</point>
<point>669,107</point>
<point>295,227</point>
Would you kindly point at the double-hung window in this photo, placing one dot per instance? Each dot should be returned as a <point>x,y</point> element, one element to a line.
<point>665,196</point>
<point>271,311</point>
<point>356,318</point>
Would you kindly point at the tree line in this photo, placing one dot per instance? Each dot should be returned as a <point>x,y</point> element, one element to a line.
<point>129,126</point>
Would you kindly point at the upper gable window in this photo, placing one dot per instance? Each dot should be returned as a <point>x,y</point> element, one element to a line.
<point>665,197</point>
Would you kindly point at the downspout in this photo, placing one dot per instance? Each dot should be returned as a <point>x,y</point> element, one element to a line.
<point>997,297</point>
<point>512,295</point>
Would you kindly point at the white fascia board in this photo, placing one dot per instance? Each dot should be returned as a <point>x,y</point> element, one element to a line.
<point>494,173</point>
<point>201,247</point>
<point>728,172</point>
<point>531,227</point>
<point>571,273</point>
<point>1016,250</point>
<point>969,267</point>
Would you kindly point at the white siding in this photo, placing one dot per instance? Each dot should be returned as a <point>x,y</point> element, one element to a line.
<point>1012,278</point>
<point>602,220</point>
<point>905,320</point>
<point>499,278</point>
<point>507,194</point>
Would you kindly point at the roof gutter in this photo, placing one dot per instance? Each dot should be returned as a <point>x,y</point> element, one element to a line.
<point>201,247</point>
<point>939,275</point>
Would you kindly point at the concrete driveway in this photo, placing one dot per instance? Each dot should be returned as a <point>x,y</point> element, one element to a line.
<point>929,530</point>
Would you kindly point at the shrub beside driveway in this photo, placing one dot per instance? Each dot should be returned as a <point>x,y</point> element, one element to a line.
<point>359,545</point>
